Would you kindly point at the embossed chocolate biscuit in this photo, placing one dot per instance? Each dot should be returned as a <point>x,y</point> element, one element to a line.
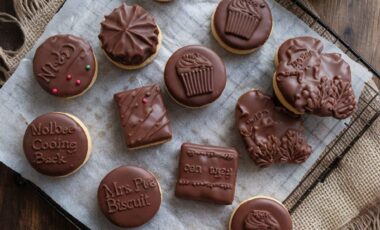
<point>195,76</point>
<point>57,144</point>
<point>129,196</point>
<point>143,117</point>
<point>270,133</point>
<point>242,25</point>
<point>307,80</point>
<point>130,36</point>
<point>65,66</point>
<point>207,173</point>
<point>260,213</point>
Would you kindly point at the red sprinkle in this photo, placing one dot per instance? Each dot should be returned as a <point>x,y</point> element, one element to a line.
<point>144,100</point>
<point>54,90</point>
<point>69,77</point>
<point>77,82</point>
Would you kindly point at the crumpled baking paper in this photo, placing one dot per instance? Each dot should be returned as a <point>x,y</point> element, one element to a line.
<point>182,23</point>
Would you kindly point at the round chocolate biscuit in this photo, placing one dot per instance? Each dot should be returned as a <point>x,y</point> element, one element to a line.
<point>65,66</point>
<point>241,26</point>
<point>260,212</point>
<point>195,76</point>
<point>129,196</point>
<point>130,37</point>
<point>57,144</point>
<point>310,81</point>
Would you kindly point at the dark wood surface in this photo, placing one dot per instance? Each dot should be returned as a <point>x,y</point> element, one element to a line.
<point>23,207</point>
<point>357,22</point>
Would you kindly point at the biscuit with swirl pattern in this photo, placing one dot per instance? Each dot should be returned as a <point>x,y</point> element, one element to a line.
<point>130,37</point>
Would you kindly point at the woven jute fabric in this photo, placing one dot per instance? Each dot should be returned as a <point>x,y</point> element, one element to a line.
<point>349,189</point>
<point>32,16</point>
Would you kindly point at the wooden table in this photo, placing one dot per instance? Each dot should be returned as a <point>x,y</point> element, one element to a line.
<point>357,22</point>
<point>23,207</point>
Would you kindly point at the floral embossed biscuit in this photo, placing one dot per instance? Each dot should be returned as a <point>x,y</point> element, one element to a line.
<point>309,81</point>
<point>242,26</point>
<point>65,66</point>
<point>260,212</point>
<point>270,133</point>
<point>130,37</point>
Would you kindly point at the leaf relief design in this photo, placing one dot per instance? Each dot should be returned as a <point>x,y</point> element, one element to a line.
<point>332,96</point>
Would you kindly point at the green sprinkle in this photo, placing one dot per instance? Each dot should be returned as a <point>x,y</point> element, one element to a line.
<point>88,67</point>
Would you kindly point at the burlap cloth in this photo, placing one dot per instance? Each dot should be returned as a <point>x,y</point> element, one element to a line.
<point>347,191</point>
<point>31,17</point>
<point>346,199</point>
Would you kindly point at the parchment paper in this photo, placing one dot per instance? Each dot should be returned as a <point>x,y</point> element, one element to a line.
<point>182,23</point>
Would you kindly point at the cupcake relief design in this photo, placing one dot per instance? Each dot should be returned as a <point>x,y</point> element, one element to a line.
<point>260,219</point>
<point>195,76</point>
<point>260,213</point>
<point>196,73</point>
<point>243,18</point>
<point>242,26</point>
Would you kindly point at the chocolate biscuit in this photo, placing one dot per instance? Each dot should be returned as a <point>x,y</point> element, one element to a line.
<point>143,117</point>
<point>207,173</point>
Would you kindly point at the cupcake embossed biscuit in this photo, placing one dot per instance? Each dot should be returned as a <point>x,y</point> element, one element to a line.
<point>259,213</point>
<point>195,76</point>
<point>242,26</point>
<point>310,81</point>
<point>65,66</point>
<point>130,37</point>
<point>270,133</point>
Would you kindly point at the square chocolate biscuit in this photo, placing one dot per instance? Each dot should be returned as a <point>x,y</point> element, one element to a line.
<point>143,117</point>
<point>207,173</point>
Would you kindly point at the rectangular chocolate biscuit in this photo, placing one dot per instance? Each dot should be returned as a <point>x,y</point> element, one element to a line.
<point>143,117</point>
<point>207,173</point>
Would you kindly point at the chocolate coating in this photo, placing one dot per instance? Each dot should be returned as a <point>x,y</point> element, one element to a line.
<point>129,196</point>
<point>270,133</point>
<point>55,144</point>
<point>261,213</point>
<point>129,35</point>
<point>195,76</point>
<point>243,24</point>
<point>207,173</point>
<point>64,65</point>
<point>312,81</point>
<point>143,116</point>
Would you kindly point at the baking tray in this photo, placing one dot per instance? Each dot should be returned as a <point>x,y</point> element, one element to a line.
<point>368,111</point>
